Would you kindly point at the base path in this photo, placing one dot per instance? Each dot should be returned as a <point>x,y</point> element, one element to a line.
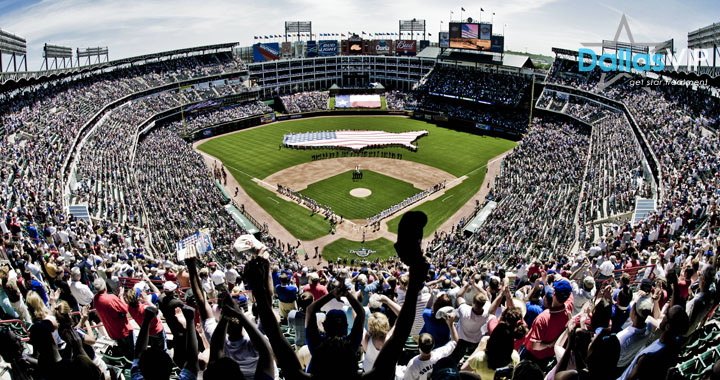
<point>298,177</point>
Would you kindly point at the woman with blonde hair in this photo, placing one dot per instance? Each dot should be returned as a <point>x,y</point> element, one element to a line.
<point>36,307</point>
<point>377,333</point>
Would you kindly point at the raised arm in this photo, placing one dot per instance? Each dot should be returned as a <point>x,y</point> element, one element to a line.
<point>200,300</point>
<point>392,305</point>
<point>359,321</point>
<point>387,358</point>
<point>191,348</point>
<point>144,333</point>
<point>217,341</point>
<point>258,277</point>
<point>265,365</point>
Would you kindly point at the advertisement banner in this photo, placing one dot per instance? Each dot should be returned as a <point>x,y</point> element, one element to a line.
<point>485,31</point>
<point>327,48</point>
<point>266,52</point>
<point>354,47</point>
<point>312,49</point>
<point>300,49</point>
<point>382,47</point>
<point>444,39</point>
<point>406,47</point>
<point>286,49</point>
<point>497,44</point>
<point>269,118</point>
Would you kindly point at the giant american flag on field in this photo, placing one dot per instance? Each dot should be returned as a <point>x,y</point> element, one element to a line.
<point>355,140</point>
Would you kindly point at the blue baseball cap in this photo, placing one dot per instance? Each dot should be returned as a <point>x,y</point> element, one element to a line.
<point>562,290</point>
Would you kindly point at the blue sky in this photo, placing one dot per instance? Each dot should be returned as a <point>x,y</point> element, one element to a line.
<point>131,27</point>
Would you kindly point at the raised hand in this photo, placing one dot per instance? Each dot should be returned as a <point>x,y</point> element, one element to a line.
<point>150,312</point>
<point>410,231</point>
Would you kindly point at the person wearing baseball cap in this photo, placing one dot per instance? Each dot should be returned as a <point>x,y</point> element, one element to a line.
<point>582,294</point>
<point>633,338</point>
<point>315,287</point>
<point>549,325</point>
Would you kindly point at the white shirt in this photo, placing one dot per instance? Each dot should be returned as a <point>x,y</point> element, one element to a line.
<point>471,327</point>
<point>632,340</point>
<point>422,369</point>
<point>607,268</point>
<point>81,292</point>
<point>580,296</point>
<point>218,277</point>
<point>231,275</point>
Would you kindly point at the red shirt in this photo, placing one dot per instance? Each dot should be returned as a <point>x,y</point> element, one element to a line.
<point>547,327</point>
<point>532,270</point>
<point>113,314</point>
<point>138,314</point>
<point>170,276</point>
<point>683,286</point>
<point>317,290</point>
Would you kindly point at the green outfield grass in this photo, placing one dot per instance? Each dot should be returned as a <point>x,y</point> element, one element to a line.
<point>335,192</point>
<point>255,154</point>
<point>341,248</point>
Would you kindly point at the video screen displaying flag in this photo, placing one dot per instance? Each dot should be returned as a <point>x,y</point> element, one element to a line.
<point>469,30</point>
<point>355,140</point>
<point>470,36</point>
<point>358,101</point>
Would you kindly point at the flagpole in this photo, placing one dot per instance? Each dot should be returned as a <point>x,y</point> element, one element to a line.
<point>461,14</point>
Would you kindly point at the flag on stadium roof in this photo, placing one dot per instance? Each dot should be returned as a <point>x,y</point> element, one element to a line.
<point>462,9</point>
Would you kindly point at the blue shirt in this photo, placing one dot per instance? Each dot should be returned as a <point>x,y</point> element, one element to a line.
<point>287,294</point>
<point>618,318</point>
<point>438,328</point>
<point>366,290</point>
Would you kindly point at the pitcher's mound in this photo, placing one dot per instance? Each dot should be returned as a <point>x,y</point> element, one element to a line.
<point>360,192</point>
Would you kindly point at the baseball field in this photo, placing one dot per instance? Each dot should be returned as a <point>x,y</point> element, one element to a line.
<point>257,161</point>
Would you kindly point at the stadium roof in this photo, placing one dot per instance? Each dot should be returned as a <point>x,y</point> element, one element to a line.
<point>13,81</point>
<point>519,61</point>
<point>429,52</point>
<point>507,59</point>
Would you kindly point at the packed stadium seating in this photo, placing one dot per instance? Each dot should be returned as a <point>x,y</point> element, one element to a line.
<point>145,191</point>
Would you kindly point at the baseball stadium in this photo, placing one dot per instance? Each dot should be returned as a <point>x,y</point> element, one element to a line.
<point>430,201</point>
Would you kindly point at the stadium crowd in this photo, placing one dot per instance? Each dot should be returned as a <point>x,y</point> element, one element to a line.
<point>206,118</point>
<point>478,85</point>
<point>630,304</point>
<point>308,101</point>
<point>537,195</point>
